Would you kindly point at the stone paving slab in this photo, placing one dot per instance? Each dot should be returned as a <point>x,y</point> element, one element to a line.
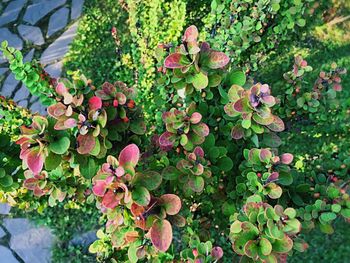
<point>31,34</point>
<point>6,256</point>
<point>60,47</point>
<point>58,21</point>
<point>31,243</point>
<point>39,9</point>
<point>11,12</point>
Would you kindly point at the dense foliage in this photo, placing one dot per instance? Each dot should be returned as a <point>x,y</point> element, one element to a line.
<point>214,166</point>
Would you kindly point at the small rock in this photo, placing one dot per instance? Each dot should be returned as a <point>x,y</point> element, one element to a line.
<point>6,255</point>
<point>31,243</point>
<point>11,12</point>
<point>58,21</point>
<point>60,47</point>
<point>55,70</point>
<point>4,209</point>
<point>32,34</point>
<point>39,9</point>
<point>77,8</point>
<point>29,56</point>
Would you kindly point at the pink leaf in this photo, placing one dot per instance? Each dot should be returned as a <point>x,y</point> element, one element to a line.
<point>161,234</point>
<point>61,89</point>
<point>35,161</point>
<point>191,34</point>
<point>95,103</point>
<point>70,123</point>
<point>99,188</point>
<point>86,143</point>
<point>196,118</point>
<point>129,155</point>
<point>277,125</point>
<point>287,158</point>
<point>166,139</point>
<point>198,151</point>
<point>110,200</point>
<point>237,132</point>
<point>217,60</point>
<point>217,253</point>
<point>201,129</point>
<point>175,60</point>
<point>172,203</point>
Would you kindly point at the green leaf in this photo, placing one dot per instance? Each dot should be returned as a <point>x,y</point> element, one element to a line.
<point>149,179</point>
<point>200,81</point>
<point>52,161</point>
<point>236,78</point>
<point>265,246</point>
<point>60,146</point>
<point>141,195</point>
<point>2,172</point>
<point>328,216</point>
<point>89,169</point>
<point>6,181</point>
<point>225,164</point>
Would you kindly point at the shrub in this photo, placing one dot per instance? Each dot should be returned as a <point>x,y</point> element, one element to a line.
<point>215,163</point>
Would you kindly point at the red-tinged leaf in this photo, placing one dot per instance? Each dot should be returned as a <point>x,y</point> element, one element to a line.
<point>110,200</point>
<point>196,118</point>
<point>205,47</point>
<point>166,139</point>
<point>70,123</point>
<point>161,234</point>
<point>217,253</point>
<point>57,110</point>
<point>237,132</point>
<point>35,160</point>
<point>268,100</point>
<point>239,105</point>
<point>178,220</point>
<point>337,87</point>
<point>201,129</point>
<point>286,158</point>
<point>86,143</point>
<point>191,34</point>
<point>266,120</point>
<point>95,103</point>
<point>121,98</point>
<point>273,177</point>
<point>61,89</point>
<point>30,183</point>
<point>176,60</point>
<point>99,188</point>
<point>217,60</point>
<point>129,155</point>
<point>198,151</point>
<point>265,155</point>
<point>277,125</point>
<point>172,203</point>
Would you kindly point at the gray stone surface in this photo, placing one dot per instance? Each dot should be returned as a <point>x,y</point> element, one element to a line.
<point>11,12</point>
<point>23,103</point>
<point>84,240</point>
<point>4,209</point>
<point>77,8</point>
<point>58,21</point>
<point>55,70</point>
<point>37,107</point>
<point>60,47</point>
<point>32,34</point>
<point>9,86</point>
<point>12,39</point>
<point>6,256</point>
<point>2,233</point>
<point>21,94</point>
<point>3,70</point>
<point>39,9</point>
<point>31,243</point>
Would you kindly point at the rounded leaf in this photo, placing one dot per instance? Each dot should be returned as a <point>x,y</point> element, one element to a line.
<point>171,203</point>
<point>129,155</point>
<point>161,234</point>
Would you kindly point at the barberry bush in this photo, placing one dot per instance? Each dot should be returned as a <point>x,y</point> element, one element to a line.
<point>207,184</point>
